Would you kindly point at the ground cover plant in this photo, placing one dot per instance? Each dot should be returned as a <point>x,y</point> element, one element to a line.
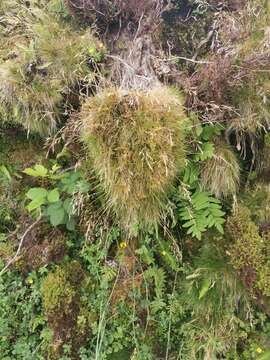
<point>134,180</point>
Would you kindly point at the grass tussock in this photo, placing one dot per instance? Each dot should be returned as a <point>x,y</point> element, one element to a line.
<point>215,297</point>
<point>221,173</point>
<point>42,70</point>
<point>136,144</point>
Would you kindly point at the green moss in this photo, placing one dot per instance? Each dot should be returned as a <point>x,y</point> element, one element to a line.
<point>59,289</point>
<point>136,144</point>
<point>248,246</point>
<point>264,279</point>
<point>67,318</point>
<point>249,252</point>
<point>7,251</point>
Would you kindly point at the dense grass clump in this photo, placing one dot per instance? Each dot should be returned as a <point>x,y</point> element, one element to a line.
<point>40,75</point>
<point>221,173</point>
<point>136,144</point>
<point>217,300</point>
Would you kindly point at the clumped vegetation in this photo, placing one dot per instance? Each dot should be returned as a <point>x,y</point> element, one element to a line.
<point>136,143</point>
<point>221,173</point>
<point>43,72</point>
<point>139,229</point>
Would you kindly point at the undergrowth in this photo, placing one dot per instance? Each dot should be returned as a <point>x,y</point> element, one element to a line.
<point>140,229</point>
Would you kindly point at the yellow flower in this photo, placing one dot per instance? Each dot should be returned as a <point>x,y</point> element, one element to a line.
<point>30,281</point>
<point>163,253</point>
<point>91,50</point>
<point>259,350</point>
<point>101,46</point>
<point>123,245</point>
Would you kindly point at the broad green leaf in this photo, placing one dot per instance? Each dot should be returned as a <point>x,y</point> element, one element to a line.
<point>5,172</point>
<point>53,207</point>
<point>198,130</point>
<point>205,287</point>
<point>57,216</point>
<point>189,223</point>
<point>217,212</point>
<point>36,203</point>
<point>71,224</point>
<point>37,193</point>
<point>53,196</point>
<point>207,151</point>
<point>220,228</point>
<point>83,186</point>
<point>36,171</point>
<point>68,205</point>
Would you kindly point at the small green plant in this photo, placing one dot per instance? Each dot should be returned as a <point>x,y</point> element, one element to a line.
<point>201,212</point>
<point>55,203</point>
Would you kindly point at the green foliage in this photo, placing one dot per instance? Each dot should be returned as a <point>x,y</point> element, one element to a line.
<point>217,302</point>
<point>55,204</point>
<point>201,212</point>
<point>136,144</point>
<point>138,285</point>
<point>249,251</point>
<point>21,319</point>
